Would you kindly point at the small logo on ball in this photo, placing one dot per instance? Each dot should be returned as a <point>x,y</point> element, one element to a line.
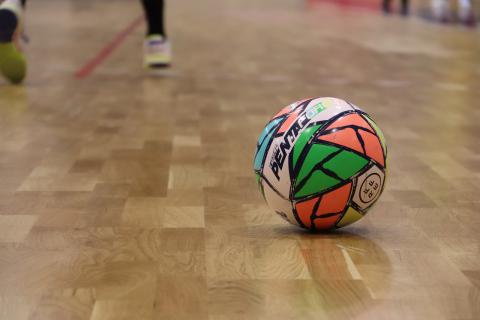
<point>370,187</point>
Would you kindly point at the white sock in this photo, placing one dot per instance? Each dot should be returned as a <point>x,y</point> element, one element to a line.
<point>13,5</point>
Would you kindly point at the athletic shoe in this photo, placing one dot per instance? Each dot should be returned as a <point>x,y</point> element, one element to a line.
<point>13,64</point>
<point>158,52</point>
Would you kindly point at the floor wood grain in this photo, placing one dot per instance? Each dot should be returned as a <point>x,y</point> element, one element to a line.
<point>129,195</point>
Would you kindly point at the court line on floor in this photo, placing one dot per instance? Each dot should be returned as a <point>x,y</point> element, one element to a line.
<point>352,269</point>
<point>354,4</point>
<point>107,50</point>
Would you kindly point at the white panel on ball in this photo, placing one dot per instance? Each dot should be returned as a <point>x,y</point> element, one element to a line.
<point>281,206</point>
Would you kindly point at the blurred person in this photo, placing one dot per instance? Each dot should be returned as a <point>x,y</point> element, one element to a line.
<point>13,64</point>
<point>465,12</point>
<point>403,9</point>
<point>442,11</point>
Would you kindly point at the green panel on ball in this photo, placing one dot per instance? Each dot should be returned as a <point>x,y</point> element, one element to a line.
<point>346,164</point>
<point>302,141</point>
<point>317,182</point>
<point>259,183</point>
<point>315,155</point>
<point>258,177</point>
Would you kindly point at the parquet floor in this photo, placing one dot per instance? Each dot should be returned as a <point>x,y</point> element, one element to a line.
<point>131,196</point>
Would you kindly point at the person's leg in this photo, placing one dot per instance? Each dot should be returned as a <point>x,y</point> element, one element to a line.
<point>154,15</point>
<point>10,18</point>
<point>447,11</point>
<point>157,47</point>
<point>404,9</point>
<point>13,65</point>
<point>465,12</point>
<point>439,10</point>
<point>386,6</point>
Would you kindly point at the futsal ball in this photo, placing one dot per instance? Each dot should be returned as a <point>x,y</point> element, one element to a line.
<point>321,163</point>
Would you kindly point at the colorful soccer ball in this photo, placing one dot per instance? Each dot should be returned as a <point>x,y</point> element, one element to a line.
<point>321,163</point>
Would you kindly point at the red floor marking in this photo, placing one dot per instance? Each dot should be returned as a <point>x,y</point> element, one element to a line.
<point>93,63</point>
<point>364,4</point>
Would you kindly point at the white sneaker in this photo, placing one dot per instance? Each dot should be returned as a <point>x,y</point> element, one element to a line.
<point>157,52</point>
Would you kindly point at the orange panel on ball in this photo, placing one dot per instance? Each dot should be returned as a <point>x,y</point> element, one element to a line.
<point>291,118</point>
<point>351,120</point>
<point>334,201</point>
<point>305,210</point>
<point>373,147</point>
<point>345,137</point>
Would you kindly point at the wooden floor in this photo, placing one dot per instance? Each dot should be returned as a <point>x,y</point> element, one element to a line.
<point>125,195</point>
